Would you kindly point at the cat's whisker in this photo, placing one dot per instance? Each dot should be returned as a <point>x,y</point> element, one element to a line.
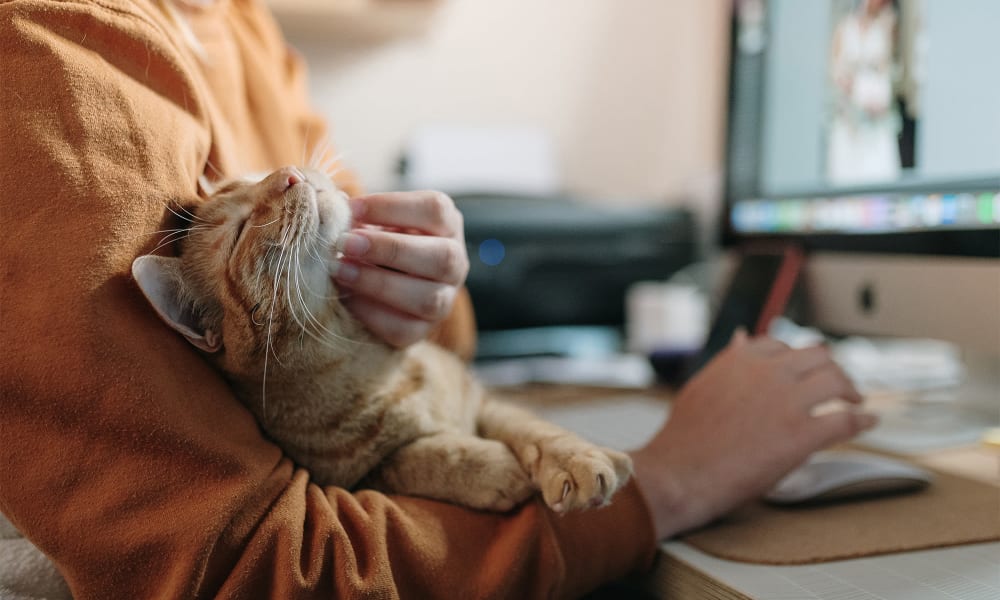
<point>214,168</point>
<point>288,293</point>
<point>310,318</point>
<point>184,218</point>
<point>328,151</point>
<point>193,217</point>
<point>174,230</point>
<point>313,253</point>
<point>266,224</point>
<point>264,262</point>
<point>314,293</point>
<point>268,348</point>
<point>305,141</point>
<point>321,154</point>
<point>173,236</point>
<point>331,168</point>
<point>331,340</point>
<point>317,241</point>
<point>326,161</point>
<point>274,300</point>
<point>170,239</point>
<point>187,216</point>
<point>330,159</point>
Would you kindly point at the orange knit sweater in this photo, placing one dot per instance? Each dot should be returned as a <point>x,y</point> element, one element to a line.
<point>123,455</point>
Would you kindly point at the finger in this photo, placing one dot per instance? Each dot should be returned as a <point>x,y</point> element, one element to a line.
<point>391,326</point>
<point>426,300</point>
<point>802,361</point>
<point>739,338</point>
<point>435,258</point>
<point>838,426</point>
<point>825,384</point>
<point>426,211</point>
<point>767,346</point>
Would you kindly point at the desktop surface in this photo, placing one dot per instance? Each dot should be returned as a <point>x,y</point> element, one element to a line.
<point>626,419</point>
<point>957,573</point>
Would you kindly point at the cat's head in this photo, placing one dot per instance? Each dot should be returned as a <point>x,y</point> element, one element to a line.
<point>253,271</point>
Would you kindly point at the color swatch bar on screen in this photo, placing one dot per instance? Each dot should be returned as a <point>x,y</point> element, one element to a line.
<point>870,213</point>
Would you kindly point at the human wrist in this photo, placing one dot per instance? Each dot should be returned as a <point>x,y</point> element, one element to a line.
<point>670,503</point>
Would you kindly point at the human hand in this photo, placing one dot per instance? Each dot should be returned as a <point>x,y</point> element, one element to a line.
<point>741,424</point>
<point>403,263</point>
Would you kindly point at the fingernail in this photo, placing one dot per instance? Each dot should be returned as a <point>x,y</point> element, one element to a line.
<point>347,272</point>
<point>353,244</point>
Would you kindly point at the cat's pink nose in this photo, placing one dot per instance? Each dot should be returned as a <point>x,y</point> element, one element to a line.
<point>292,175</point>
<point>285,177</point>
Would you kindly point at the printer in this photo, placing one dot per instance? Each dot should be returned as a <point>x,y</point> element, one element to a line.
<point>558,261</point>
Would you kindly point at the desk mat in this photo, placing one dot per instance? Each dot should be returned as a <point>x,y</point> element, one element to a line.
<point>951,511</point>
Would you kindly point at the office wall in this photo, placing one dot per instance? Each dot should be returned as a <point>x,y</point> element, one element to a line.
<point>632,91</point>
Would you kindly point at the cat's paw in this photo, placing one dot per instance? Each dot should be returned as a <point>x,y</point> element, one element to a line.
<point>498,485</point>
<point>463,469</point>
<point>574,474</point>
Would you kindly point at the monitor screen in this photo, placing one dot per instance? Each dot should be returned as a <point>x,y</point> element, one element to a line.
<point>868,125</point>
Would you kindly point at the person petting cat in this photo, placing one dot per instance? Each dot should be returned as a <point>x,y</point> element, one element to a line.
<point>136,466</point>
<point>252,289</point>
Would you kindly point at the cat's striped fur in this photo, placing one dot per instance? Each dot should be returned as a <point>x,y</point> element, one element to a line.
<point>252,288</point>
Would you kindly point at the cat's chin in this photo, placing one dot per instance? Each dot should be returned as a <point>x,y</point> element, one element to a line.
<point>333,215</point>
<point>328,229</point>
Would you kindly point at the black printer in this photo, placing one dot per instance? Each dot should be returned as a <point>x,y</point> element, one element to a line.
<point>540,262</point>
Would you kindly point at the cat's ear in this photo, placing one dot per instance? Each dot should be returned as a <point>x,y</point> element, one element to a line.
<point>161,281</point>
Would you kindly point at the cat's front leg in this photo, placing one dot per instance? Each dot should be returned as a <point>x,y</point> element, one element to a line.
<point>571,473</point>
<point>458,468</point>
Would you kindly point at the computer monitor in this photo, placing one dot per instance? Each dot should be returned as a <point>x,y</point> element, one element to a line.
<point>868,133</point>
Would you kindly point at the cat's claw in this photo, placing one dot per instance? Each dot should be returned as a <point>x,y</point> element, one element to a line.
<point>559,506</point>
<point>573,474</point>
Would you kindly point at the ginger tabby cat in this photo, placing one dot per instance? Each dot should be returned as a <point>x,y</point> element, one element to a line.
<point>252,290</point>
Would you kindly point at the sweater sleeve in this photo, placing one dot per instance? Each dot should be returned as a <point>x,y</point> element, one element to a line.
<point>125,457</point>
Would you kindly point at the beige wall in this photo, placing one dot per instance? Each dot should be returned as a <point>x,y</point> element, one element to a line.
<point>632,91</point>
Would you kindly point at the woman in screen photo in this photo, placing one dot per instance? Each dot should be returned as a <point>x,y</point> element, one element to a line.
<point>863,144</point>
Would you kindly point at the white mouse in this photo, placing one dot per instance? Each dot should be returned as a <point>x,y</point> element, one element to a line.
<point>841,475</point>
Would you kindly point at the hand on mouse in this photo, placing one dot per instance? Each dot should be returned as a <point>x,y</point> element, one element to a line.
<point>742,422</point>
<point>403,263</point>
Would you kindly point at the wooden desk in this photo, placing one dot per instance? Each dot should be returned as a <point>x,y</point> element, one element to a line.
<point>626,419</point>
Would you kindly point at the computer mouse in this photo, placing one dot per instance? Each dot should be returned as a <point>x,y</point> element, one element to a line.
<point>830,476</point>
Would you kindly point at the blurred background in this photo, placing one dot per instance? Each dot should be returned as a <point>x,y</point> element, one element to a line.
<point>583,141</point>
<point>615,161</point>
<point>602,78</point>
